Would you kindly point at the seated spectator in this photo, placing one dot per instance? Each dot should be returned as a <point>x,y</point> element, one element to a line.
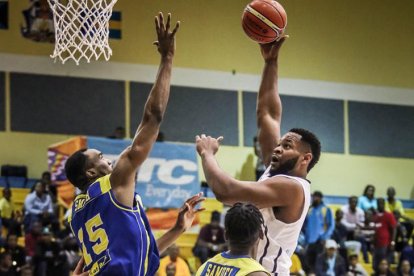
<point>6,265</point>
<point>119,133</point>
<point>393,205</point>
<point>340,236</point>
<point>51,189</point>
<point>71,251</point>
<point>367,201</point>
<point>38,207</point>
<point>383,269</point>
<point>354,267</point>
<point>405,269</point>
<point>353,216</point>
<point>330,263</point>
<point>31,239</point>
<point>365,235</point>
<point>211,240</point>
<point>171,269</point>
<point>26,270</point>
<point>181,266</point>
<point>49,258</point>
<point>407,254</point>
<point>16,251</point>
<point>401,238</point>
<point>318,227</point>
<point>384,235</point>
<point>9,216</point>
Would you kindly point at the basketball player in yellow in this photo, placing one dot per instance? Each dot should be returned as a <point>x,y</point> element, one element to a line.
<point>108,218</point>
<point>282,193</point>
<point>243,230</point>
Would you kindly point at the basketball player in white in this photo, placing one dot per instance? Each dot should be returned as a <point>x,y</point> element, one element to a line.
<point>282,193</point>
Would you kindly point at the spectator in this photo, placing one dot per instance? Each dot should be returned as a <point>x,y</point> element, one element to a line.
<point>32,238</point>
<point>401,238</point>
<point>354,267</point>
<point>407,254</point>
<point>26,270</point>
<point>71,251</point>
<point>318,227</point>
<point>365,235</point>
<point>181,267</point>
<point>6,265</point>
<point>385,232</point>
<point>405,269</point>
<point>330,263</point>
<point>260,167</point>
<point>383,269</point>
<point>353,216</point>
<point>49,260</point>
<point>393,205</point>
<point>171,269</point>
<point>16,251</point>
<point>211,240</point>
<point>367,201</point>
<point>340,236</point>
<point>38,206</point>
<point>119,133</point>
<point>160,137</point>
<point>8,216</point>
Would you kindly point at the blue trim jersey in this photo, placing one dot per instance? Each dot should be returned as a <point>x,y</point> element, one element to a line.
<point>115,239</point>
<point>224,264</point>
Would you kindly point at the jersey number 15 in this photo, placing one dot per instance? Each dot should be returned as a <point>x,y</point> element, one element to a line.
<point>96,234</point>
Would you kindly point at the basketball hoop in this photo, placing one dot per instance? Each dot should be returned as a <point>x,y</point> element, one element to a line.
<point>81,29</point>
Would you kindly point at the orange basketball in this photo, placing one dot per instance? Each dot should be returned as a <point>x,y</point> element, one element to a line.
<point>264,20</point>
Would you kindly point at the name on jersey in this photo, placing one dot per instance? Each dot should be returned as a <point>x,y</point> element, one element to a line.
<point>213,269</point>
<point>80,202</point>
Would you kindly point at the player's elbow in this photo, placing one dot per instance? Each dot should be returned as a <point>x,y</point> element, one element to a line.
<point>153,114</point>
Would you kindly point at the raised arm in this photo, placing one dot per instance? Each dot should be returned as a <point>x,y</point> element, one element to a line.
<point>268,193</point>
<point>269,106</point>
<point>123,175</point>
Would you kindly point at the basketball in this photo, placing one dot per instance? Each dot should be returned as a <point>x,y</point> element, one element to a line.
<point>264,20</point>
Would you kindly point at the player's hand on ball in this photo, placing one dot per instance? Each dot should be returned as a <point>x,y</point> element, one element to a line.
<point>207,144</point>
<point>188,211</point>
<point>165,36</point>
<point>270,51</point>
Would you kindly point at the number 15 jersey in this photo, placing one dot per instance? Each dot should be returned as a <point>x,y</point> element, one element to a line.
<point>115,239</point>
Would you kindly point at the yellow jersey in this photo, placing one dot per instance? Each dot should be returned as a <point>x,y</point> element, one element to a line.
<point>224,264</point>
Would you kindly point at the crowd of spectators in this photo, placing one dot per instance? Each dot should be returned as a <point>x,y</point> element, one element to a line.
<point>375,228</point>
<point>35,242</point>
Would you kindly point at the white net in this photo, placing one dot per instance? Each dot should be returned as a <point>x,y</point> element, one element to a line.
<point>81,29</point>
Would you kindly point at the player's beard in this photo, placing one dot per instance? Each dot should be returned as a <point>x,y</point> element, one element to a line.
<point>286,167</point>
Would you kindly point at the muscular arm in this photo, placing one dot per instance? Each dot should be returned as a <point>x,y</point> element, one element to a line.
<point>269,106</point>
<point>269,193</point>
<point>123,175</point>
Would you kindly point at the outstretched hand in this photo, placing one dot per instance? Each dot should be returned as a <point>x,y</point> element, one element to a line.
<point>79,268</point>
<point>270,51</point>
<point>188,211</point>
<point>165,37</point>
<point>207,144</point>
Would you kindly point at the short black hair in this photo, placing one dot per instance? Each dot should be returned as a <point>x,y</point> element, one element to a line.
<point>215,216</point>
<point>75,169</point>
<point>313,141</point>
<point>243,224</point>
<point>318,194</point>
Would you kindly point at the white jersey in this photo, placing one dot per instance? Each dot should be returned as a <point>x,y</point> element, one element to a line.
<point>280,239</point>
